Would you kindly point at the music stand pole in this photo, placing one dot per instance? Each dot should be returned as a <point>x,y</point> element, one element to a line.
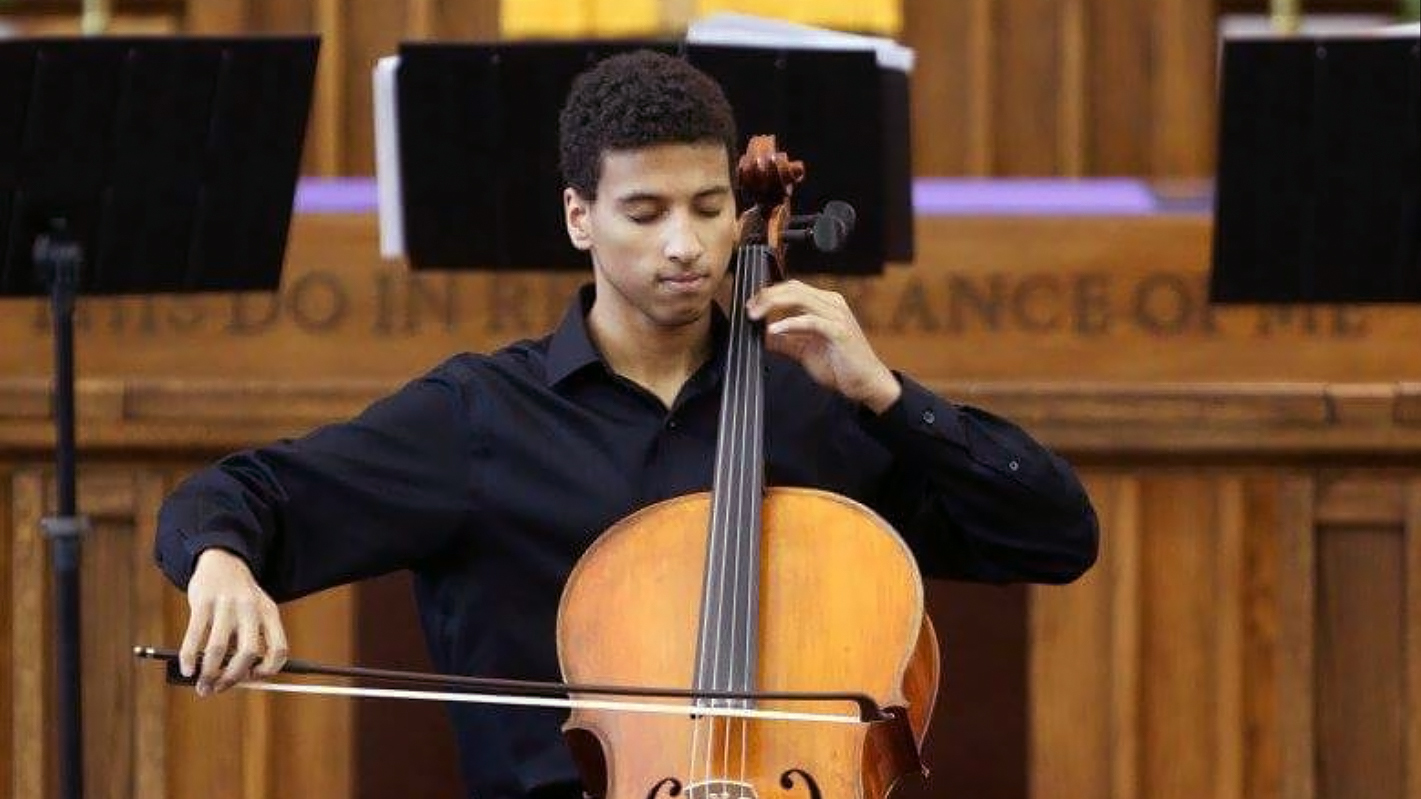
<point>59,261</point>
<point>136,166</point>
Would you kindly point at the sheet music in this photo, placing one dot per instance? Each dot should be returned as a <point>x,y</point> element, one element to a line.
<point>1317,27</point>
<point>388,193</point>
<point>746,30</point>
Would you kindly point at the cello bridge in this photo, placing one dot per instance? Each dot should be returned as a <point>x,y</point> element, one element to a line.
<point>721,789</point>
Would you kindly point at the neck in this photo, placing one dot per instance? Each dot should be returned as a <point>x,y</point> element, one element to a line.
<point>657,358</point>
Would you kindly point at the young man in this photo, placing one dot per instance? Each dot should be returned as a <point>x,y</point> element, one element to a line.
<point>489,476</point>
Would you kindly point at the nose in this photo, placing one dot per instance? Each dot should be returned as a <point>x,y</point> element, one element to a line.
<point>683,241</point>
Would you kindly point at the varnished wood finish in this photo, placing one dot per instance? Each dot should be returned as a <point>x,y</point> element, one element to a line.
<point>830,617</point>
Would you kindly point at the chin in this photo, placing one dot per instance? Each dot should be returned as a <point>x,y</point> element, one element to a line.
<point>686,314</point>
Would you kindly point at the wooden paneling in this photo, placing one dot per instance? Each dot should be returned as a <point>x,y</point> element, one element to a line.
<point>1085,719</point>
<point>141,737</point>
<point>107,578</point>
<point>331,136</point>
<point>281,17</point>
<point>28,23</point>
<point>1362,641</point>
<point>1271,630</point>
<point>1361,699</point>
<point>7,657</point>
<point>950,86</point>
<point>464,19</point>
<point>219,16</point>
<point>32,744</point>
<point>1027,45</point>
<point>1257,683</point>
<point>1297,645</point>
<point>1229,602</point>
<point>150,696</point>
<point>1244,634</point>
<point>1230,577</point>
<point>1183,108</point>
<point>1180,692</point>
<point>1077,418</point>
<point>1412,638</point>
<point>1046,302</point>
<point>1081,87</point>
<point>1118,99</point>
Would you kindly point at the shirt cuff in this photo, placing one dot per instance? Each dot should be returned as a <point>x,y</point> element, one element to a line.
<point>194,545</point>
<point>918,412</point>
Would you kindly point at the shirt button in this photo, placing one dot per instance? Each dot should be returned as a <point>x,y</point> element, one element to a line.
<point>929,417</point>
<point>1013,465</point>
<point>672,423</point>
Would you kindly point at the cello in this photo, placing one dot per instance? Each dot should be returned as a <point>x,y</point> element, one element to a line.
<point>750,591</point>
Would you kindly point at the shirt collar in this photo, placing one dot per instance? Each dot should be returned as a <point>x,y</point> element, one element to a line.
<point>571,349</point>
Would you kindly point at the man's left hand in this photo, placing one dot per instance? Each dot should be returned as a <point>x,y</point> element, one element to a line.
<point>818,329</point>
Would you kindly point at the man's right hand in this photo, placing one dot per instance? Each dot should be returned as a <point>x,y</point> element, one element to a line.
<point>231,620</point>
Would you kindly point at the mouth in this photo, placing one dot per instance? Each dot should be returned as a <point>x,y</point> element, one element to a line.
<point>685,283</point>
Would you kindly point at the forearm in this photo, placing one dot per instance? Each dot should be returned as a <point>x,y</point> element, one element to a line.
<point>214,508</point>
<point>978,498</point>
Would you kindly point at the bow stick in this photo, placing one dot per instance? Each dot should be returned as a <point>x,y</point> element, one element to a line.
<point>494,691</point>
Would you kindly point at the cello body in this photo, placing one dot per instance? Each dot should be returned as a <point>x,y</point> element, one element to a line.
<point>841,609</point>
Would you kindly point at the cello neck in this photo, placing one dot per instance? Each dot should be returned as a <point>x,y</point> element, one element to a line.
<point>726,653</point>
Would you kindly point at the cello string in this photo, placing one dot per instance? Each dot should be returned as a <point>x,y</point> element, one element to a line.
<point>754,385</point>
<point>710,643</point>
<point>757,486</point>
<point>738,487</point>
<point>735,483</point>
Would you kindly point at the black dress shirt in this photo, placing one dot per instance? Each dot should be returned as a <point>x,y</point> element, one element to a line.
<point>490,475</point>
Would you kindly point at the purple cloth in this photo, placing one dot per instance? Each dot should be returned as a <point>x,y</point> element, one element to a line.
<point>1051,197</point>
<point>931,197</point>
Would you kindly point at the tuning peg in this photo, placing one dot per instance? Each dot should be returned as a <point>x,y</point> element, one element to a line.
<point>843,212</point>
<point>828,229</point>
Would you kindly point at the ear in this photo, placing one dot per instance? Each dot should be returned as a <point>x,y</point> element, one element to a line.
<point>577,213</point>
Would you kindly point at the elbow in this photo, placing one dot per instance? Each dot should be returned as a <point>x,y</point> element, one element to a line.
<point>1078,546</point>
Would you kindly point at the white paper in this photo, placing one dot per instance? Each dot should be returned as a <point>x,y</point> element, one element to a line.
<point>389,197</point>
<point>746,30</point>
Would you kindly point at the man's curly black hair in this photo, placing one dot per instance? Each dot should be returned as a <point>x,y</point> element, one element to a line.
<point>634,100</point>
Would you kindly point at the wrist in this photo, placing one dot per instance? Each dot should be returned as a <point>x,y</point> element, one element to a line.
<point>218,556</point>
<point>882,393</point>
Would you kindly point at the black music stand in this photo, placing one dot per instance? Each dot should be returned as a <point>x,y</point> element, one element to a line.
<point>471,131</point>
<point>1318,198</point>
<point>138,166</point>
